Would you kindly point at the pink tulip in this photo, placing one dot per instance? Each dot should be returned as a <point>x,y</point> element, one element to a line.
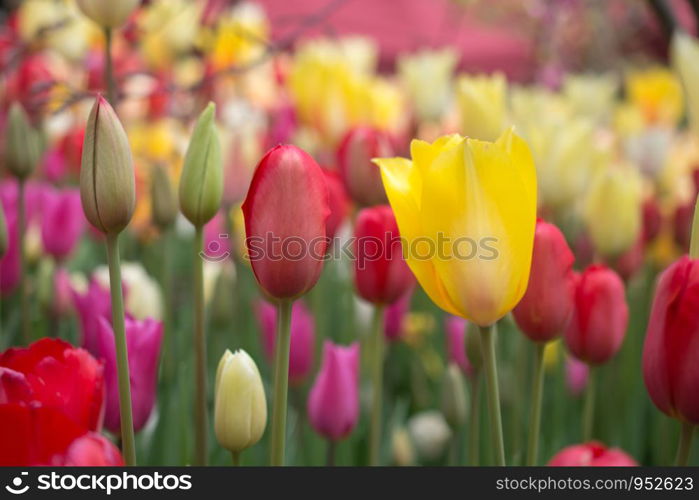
<point>217,241</point>
<point>577,374</point>
<point>9,264</point>
<point>592,454</point>
<point>394,316</point>
<point>302,337</point>
<point>143,341</point>
<point>455,329</point>
<point>62,222</point>
<point>62,292</point>
<point>333,403</point>
<point>92,306</point>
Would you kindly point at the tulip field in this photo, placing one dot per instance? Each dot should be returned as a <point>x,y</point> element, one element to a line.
<point>268,233</point>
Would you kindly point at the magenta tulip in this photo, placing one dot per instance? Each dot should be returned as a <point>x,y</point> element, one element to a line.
<point>577,374</point>
<point>285,211</point>
<point>92,306</point>
<point>302,337</point>
<point>62,222</point>
<point>333,402</point>
<point>394,317</point>
<point>143,341</point>
<point>591,454</point>
<point>455,329</point>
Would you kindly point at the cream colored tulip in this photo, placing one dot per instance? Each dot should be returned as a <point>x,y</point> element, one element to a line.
<point>426,76</point>
<point>685,59</point>
<point>483,107</point>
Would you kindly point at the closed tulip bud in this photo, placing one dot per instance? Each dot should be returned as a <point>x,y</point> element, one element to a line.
<point>454,402</point>
<point>613,210</point>
<point>107,183</point>
<point>23,143</point>
<point>482,104</point>
<point>480,198</point>
<point>108,13</point>
<point>600,316</point>
<point>544,311</point>
<point>592,454</point>
<point>333,402</point>
<point>4,237</point>
<point>361,177</point>
<point>240,407</point>
<point>671,347</point>
<point>201,183</point>
<point>285,212</point>
<point>380,272</point>
<point>163,199</point>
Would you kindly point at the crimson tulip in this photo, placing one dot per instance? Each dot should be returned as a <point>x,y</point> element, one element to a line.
<point>545,309</point>
<point>285,211</point>
<point>671,348</point>
<point>592,454</point>
<point>338,202</point>
<point>380,271</point>
<point>600,315</point>
<point>54,374</point>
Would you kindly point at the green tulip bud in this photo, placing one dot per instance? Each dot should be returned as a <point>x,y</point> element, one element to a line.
<point>163,200</point>
<point>108,13</point>
<point>22,143</point>
<point>201,183</point>
<point>454,402</point>
<point>4,239</point>
<point>107,184</point>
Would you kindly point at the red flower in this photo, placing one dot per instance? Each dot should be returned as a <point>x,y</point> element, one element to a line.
<point>54,374</point>
<point>591,454</point>
<point>39,435</point>
<point>285,215</point>
<point>380,272</point>
<point>545,309</point>
<point>600,316</point>
<point>671,348</point>
<point>338,201</point>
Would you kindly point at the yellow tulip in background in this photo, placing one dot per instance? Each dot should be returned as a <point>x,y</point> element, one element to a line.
<point>482,102</point>
<point>427,78</point>
<point>240,413</point>
<point>612,209</point>
<point>685,59</point>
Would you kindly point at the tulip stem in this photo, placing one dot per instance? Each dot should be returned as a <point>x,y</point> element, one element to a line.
<point>235,455</point>
<point>281,382</point>
<point>487,334</point>
<point>22,229</point>
<point>377,386</point>
<point>474,430</point>
<point>694,238</point>
<point>535,411</point>
<point>122,355</point>
<point>685,444</point>
<point>330,453</point>
<point>589,410</point>
<point>201,417</point>
<point>108,67</point>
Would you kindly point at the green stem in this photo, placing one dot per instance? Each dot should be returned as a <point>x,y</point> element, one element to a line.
<point>170,347</point>
<point>487,334</point>
<point>694,239</point>
<point>535,413</point>
<point>589,410</point>
<point>685,444</point>
<point>474,424</point>
<point>235,455</point>
<point>22,230</point>
<point>330,453</point>
<point>281,382</point>
<point>376,385</point>
<point>125,413</point>
<point>108,67</point>
<point>201,417</point>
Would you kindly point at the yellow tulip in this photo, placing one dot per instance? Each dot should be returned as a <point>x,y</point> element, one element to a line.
<point>457,191</point>
<point>658,95</point>
<point>240,407</point>
<point>482,104</point>
<point>427,77</point>
<point>685,59</point>
<point>591,96</point>
<point>612,209</point>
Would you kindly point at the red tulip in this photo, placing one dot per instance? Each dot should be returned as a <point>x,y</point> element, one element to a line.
<point>54,374</point>
<point>302,333</point>
<point>591,454</point>
<point>600,315</point>
<point>545,309</point>
<point>682,224</point>
<point>671,348</point>
<point>380,272</point>
<point>631,261</point>
<point>361,177</point>
<point>338,202</point>
<point>285,211</point>
<point>333,402</point>
<point>652,219</point>
<point>39,435</point>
